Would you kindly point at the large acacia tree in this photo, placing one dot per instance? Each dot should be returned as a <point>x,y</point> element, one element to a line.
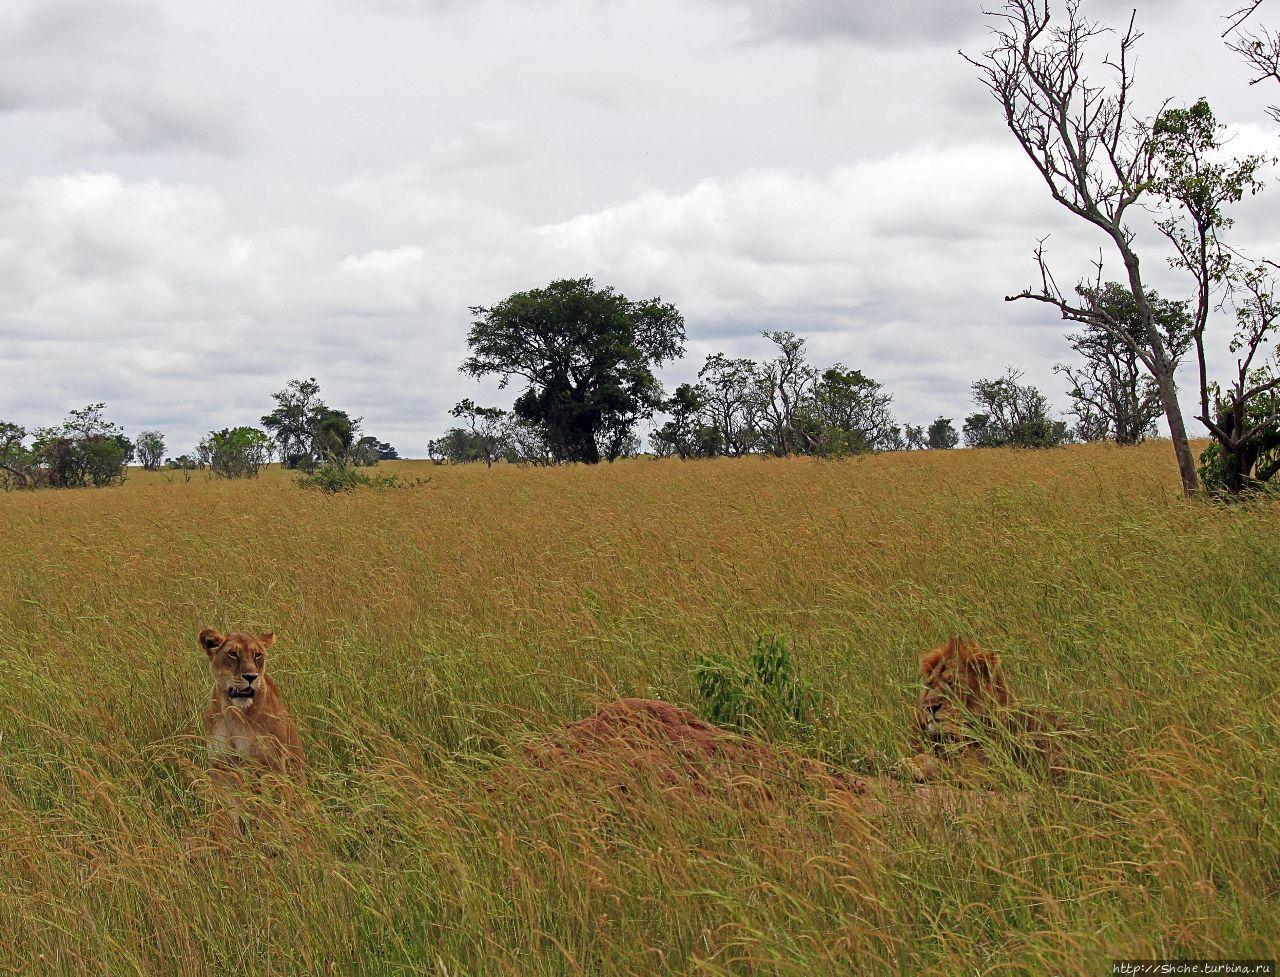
<point>587,355</point>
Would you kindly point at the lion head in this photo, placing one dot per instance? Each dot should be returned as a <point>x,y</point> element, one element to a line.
<point>962,683</point>
<point>238,662</point>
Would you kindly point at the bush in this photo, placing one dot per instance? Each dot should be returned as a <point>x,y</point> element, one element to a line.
<point>762,697</point>
<point>235,452</point>
<point>334,479</point>
<point>86,449</point>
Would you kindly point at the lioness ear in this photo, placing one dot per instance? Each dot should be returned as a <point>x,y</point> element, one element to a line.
<point>267,639</point>
<point>210,639</point>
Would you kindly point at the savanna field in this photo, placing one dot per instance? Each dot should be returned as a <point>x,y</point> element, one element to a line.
<point>424,633</point>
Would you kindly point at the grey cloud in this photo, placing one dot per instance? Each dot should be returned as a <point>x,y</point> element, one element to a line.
<point>901,23</point>
<point>870,199</point>
<point>107,55</point>
<point>145,121</point>
<point>58,52</point>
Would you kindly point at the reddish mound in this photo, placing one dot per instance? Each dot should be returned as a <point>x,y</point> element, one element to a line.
<point>636,742</point>
<point>633,739</point>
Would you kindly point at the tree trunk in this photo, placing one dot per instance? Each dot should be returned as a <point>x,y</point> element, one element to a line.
<point>1178,433</point>
<point>18,473</point>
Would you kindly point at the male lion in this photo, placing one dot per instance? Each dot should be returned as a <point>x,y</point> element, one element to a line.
<point>246,723</point>
<point>965,704</point>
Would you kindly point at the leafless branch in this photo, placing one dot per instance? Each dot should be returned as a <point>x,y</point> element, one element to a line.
<point>1234,20</point>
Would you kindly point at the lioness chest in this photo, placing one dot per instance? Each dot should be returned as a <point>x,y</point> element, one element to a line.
<point>232,737</point>
<point>229,740</point>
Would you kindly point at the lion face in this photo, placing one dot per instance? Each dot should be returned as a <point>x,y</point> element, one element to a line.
<point>962,684</point>
<point>238,662</point>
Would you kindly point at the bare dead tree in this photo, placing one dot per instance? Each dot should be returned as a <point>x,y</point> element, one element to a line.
<point>1096,158</point>
<point>1236,18</point>
<point>1259,48</point>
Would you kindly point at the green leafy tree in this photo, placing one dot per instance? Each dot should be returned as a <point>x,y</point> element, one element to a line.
<point>942,434</point>
<point>84,450</point>
<point>1012,415</point>
<point>781,391</point>
<point>292,423</point>
<point>849,413</point>
<point>370,451</point>
<point>457,446</point>
<point>1114,397</point>
<point>726,390</point>
<point>237,452</point>
<point>1196,182</point>
<point>187,464</point>
<point>150,448</point>
<point>308,432</point>
<point>1257,462</point>
<point>334,434</point>
<point>528,444</point>
<point>487,427</point>
<point>16,461</point>
<point>687,434</point>
<point>587,356</point>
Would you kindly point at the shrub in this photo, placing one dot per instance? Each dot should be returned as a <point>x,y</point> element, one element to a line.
<point>86,449</point>
<point>335,478</point>
<point>760,697</point>
<point>235,452</point>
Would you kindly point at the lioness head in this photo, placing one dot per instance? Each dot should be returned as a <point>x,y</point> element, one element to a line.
<point>961,683</point>
<point>238,662</point>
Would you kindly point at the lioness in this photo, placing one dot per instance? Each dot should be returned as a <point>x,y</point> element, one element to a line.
<point>246,722</point>
<point>964,702</point>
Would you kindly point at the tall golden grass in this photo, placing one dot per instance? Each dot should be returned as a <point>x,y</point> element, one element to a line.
<point>424,632</point>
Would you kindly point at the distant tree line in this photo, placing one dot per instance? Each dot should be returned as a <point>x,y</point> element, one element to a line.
<point>587,357</point>
<point>88,450</point>
<point>84,450</point>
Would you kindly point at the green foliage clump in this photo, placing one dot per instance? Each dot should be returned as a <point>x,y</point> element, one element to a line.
<point>235,452</point>
<point>335,478</point>
<point>1012,415</point>
<point>761,697</point>
<point>86,449</point>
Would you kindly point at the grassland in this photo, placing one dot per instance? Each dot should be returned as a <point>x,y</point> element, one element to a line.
<point>425,632</point>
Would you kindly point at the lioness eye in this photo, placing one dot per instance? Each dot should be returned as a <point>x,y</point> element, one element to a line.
<point>257,656</point>
<point>233,655</point>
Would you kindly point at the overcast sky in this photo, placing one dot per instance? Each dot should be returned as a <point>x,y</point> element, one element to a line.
<point>200,201</point>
